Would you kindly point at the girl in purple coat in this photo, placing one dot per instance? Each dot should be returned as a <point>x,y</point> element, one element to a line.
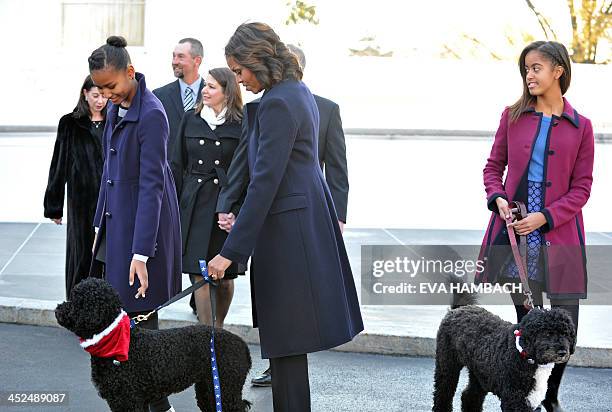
<point>137,213</point>
<point>547,148</point>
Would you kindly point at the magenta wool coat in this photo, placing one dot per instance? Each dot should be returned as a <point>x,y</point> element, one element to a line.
<point>568,175</point>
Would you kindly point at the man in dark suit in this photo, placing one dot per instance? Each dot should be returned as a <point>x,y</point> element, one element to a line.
<point>182,94</point>
<point>332,159</point>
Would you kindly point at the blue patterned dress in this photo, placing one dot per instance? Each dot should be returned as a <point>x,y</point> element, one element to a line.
<point>535,203</point>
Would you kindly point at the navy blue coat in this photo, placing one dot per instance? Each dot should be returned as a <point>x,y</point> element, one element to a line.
<point>302,288</point>
<point>137,205</point>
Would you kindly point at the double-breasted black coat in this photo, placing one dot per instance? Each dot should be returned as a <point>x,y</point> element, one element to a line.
<point>302,288</point>
<point>77,163</point>
<point>199,160</point>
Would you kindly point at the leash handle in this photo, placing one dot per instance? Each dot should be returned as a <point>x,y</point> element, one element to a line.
<point>519,212</point>
<point>213,355</point>
<point>141,318</point>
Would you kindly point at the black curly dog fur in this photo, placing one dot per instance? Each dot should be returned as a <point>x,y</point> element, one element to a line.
<point>161,362</point>
<point>474,337</point>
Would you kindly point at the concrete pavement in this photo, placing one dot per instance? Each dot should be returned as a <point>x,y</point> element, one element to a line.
<point>50,359</point>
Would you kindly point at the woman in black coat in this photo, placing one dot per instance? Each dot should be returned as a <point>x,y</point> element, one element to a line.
<point>77,161</point>
<point>205,144</point>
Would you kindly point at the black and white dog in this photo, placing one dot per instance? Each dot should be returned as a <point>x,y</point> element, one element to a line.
<point>513,361</point>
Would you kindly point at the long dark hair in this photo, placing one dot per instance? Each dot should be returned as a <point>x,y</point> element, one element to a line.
<point>557,54</point>
<point>227,80</point>
<point>82,107</point>
<point>258,48</point>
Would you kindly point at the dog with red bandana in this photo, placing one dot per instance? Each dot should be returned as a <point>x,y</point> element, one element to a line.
<point>132,367</point>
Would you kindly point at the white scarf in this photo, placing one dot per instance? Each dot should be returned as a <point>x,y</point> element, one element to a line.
<point>209,116</point>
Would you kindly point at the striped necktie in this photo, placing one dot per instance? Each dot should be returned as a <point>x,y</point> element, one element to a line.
<point>188,100</point>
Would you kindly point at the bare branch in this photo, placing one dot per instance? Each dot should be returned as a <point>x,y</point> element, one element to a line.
<point>546,27</point>
<point>480,44</point>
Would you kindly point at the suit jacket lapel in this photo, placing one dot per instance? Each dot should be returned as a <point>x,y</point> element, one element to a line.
<point>177,99</point>
<point>199,96</point>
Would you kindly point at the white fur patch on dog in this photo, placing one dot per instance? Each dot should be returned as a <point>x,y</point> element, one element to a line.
<point>538,393</point>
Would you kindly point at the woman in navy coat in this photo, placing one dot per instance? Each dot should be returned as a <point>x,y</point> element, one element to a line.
<point>137,211</point>
<point>303,293</point>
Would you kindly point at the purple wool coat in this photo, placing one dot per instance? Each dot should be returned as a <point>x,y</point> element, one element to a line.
<point>137,204</point>
<point>568,175</point>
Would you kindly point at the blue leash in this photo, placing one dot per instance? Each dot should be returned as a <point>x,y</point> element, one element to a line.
<point>213,302</point>
<point>213,356</point>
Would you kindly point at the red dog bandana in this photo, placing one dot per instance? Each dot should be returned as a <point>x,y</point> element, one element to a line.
<point>112,342</point>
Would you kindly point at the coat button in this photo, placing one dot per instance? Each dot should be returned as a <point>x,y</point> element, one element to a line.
<point>113,150</point>
<point>217,162</point>
<point>199,180</point>
<point>216,181</point>
<point>548,243</point>
<point>217,143</point>
<point>110,182</point>
<point>548,184</point>
<point>555,123</point>
<point>551,152</point>
<point>108,214</point>
<point>201,142</point>
<point>200,162</point>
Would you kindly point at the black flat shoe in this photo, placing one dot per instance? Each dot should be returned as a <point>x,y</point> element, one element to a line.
<point>263,380</point>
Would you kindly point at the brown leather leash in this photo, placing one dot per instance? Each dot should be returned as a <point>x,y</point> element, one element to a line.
<point>519,212</point>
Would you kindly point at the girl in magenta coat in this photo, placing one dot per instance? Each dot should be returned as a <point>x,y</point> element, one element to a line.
<point>547,147</point>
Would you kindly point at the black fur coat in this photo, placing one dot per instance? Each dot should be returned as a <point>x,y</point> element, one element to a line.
<point>77,163</point>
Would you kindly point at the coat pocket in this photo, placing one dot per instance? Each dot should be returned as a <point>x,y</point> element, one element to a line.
<point>291,202</point>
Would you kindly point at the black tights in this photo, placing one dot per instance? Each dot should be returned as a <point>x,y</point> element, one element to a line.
<point>161,405</point>
<point>570,305</point>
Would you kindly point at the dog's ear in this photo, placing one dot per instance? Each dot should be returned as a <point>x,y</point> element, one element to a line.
<point>64,316</point>
<point>564,319</point>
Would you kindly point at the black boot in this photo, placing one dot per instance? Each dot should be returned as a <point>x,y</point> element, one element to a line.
<point>193,305</point>
<point>265,379</point>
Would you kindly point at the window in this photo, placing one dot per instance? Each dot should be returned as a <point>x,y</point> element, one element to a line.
<point>89,23</point>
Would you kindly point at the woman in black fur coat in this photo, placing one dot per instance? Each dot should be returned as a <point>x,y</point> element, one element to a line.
<point>77,161</point>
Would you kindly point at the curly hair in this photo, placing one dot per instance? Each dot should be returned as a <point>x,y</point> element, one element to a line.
<point>258,48</point>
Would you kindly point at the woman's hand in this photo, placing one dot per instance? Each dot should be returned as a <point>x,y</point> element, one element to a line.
<point>217,267</point>
<point>226,221</point>
<point>532,222</point>
<point>502,207</point>
<point>140,269</point>
<point>57,221</point>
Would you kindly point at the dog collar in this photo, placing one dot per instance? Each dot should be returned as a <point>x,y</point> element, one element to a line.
<point>113,341</point>
<point>522,352</point>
